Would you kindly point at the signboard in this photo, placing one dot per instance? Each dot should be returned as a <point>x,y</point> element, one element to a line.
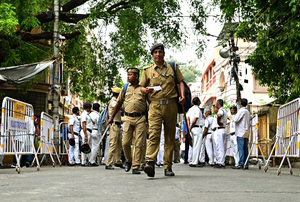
<point>17,124</point>
<point>19,110</point>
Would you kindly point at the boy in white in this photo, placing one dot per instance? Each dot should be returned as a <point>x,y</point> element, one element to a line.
<point>233,138</point>
<point>74,128</point>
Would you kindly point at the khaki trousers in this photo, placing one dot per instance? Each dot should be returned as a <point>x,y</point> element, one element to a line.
<point>134,133</point>
<point>157,114</point>
<point>115,145</point>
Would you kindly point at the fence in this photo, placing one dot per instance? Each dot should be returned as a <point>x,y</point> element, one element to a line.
<point>287,134</point>
<point>63,140</point>
<point>17,130</point>
<point>47,138</point>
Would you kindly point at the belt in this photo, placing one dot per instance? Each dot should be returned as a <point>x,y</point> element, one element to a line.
<point>214,129</point>
<point>220,127</point>
<point>197,126</point>
<point>95,129</point>
<point>90,130</point>
<point>232,133</point>
<point>75,133</point>
<point>208,133</point>
<point>117,123</point>
<point>134,114</point>
<point>163,102</point>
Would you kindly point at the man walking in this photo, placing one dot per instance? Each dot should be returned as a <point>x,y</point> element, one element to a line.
<point>163,107</point>
<point>115,141</point>
<point>233,139</point>
<point>195,123</point>
<point>242,129</point>
<point>134,120</point>
<point>74,128</point>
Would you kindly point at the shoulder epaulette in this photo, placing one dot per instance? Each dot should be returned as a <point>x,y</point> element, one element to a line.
<point>147,67</point>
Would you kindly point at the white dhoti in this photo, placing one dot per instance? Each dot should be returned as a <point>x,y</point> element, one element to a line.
<point>234,147</point>
<point>208,146</point>
<point>197,143</point>
<point>220,146</point>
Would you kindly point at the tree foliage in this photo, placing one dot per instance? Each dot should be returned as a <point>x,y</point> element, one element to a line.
<point>190,73</point>
<point>275,27</point>
<point>91,62</point>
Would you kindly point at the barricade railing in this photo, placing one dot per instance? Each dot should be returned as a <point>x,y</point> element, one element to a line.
<point>47,146</point>
<point>17,130</point>
<point>254,144</point>
<point>287,142</point>
<point>63,140</point>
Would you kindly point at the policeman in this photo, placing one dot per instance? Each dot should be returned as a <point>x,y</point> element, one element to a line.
<point>115,141</point>
<point>95,136</point>
<point>233,139</point>
<point>163,107</point>
<point>207,139</point>
<point>74,128</point>
<point>87,125</point>
<point>134,120</point>
<point>220,134</point>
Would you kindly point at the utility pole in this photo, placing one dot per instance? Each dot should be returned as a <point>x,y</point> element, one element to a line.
<point>56,84</point>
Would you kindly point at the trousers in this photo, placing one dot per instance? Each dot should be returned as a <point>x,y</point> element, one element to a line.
<point>243,150</point>
<point>74,150</point>
<point>220,137</point>
<point>115,145</point>
<point>95,142</point>
<point>85,157</point>
<point>214,138</point>
<point>197,143</point>
<point>106,149</point>
<point>157,114</point>
<point>234,149</point>
<point>208,146</point>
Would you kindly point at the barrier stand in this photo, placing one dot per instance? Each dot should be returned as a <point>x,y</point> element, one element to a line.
<point>287,142</point>
<point>254,142</point>
<point>47,138</point>
<point>63,147</point>
<point>17,129</point>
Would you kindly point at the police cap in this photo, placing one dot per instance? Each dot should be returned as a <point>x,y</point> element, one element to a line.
<point>116,90</point>
<point>133,70</point>
<point>96,106</point>
<point>157,46</point>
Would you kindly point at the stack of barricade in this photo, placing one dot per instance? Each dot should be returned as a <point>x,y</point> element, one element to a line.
<point>17,130</point>
<point>46,146</point>
<point>287,134</point>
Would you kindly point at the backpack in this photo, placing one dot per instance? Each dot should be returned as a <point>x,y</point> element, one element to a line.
<point>188,95</point>
<point>103,119</point>
<point>125,86</point>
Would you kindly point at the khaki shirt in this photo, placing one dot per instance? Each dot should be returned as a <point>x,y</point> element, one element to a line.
<point>151,77</point>
<point>111,107</point>
<point>135,100</point>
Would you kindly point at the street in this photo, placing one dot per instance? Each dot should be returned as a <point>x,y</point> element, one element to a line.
<point>190,184</point>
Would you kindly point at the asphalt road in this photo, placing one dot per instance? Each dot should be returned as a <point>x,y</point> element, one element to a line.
<point>190,184</point>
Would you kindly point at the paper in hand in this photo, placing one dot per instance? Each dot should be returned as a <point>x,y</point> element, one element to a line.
<point>155,88</point>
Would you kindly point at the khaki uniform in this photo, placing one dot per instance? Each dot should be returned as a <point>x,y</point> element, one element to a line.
<point>134,104</point>
<point>163,107</point>
<point>115,141</point>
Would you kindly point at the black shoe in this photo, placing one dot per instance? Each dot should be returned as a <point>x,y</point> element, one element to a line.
<point>150,169</point>
<point>193,165</point>
<point>141,169</point>
<point>186,162</point>
<point>236,167</point>
<point>72,164</point>
<point>169,172</point>
<point>128,166</point>
<point>246,168</point>
<point>136,171</point>
<point>94,164</point>
<point>84,165</point>
<point>216,165</point>
<point>110,167</point>
<point>120,166</point>
<point>220,166</point>
<point>201,163</point>
<point>77,164</point>
<point>27,164</point>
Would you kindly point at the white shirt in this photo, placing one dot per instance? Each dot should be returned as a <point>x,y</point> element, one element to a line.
<point>73,121</point>
<point>194,112</point>
<point>95,118</point>
<point>208,123</point>
<point>215,122</point>
<point>201,119</point>
<point>232,124</point>
<point>242,121</point>
<point>86,117</point>
<point>223,118</point>
<point>177,134</point>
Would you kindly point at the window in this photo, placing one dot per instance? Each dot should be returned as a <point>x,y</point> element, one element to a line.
<point>207,77</point>
<point>246,71</point>
<point>210,72</point>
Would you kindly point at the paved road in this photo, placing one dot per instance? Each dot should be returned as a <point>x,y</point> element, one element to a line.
<point>190,184</point>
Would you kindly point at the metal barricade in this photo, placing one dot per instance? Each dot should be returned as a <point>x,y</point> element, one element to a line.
<point>63,140</point>
<point>47,138</point>
<point>287,142</point>
<point>254,144</point>
<point>17,130</point>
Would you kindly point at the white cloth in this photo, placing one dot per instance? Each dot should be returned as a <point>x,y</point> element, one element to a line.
<point>177,134</point>
<point>224,116</point>
<point>232,125</point>
<point>95,138</point>
<point>197,143</point>
<point>220,138</point>
<point>190,156</point>
<point>195,112</point>
<point>214,137</point>
<point>234,149</point>
<point>215,122</point>
<point>74,121</point>
<point>208,146</point>
<point>95,118</point>
<point>86,117</point>
<point>242,122</point>
<point>74,150</point>
<point>208,124</point>
<point>161,151</point>
<point>85,157</point>
<point>106,149</point>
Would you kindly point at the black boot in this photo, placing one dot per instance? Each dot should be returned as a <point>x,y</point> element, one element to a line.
<point>128,166</point>
<point>136,171</point>
<point>169,172</point>
<point>150,168</point>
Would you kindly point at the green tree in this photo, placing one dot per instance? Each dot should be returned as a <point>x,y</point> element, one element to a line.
<point>92,62</point>
<point>275,27</point>
<point>190,73</point>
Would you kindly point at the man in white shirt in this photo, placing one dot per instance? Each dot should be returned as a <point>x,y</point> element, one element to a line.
<point>242,129</point>
<point>233,138</point>
<point>215,134</point>
<point>74,129</point>
<point>87,125</point>
<point>195,124</point>
<point>95,136</point>
<point>220,130</point>
<point>207,140</point>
